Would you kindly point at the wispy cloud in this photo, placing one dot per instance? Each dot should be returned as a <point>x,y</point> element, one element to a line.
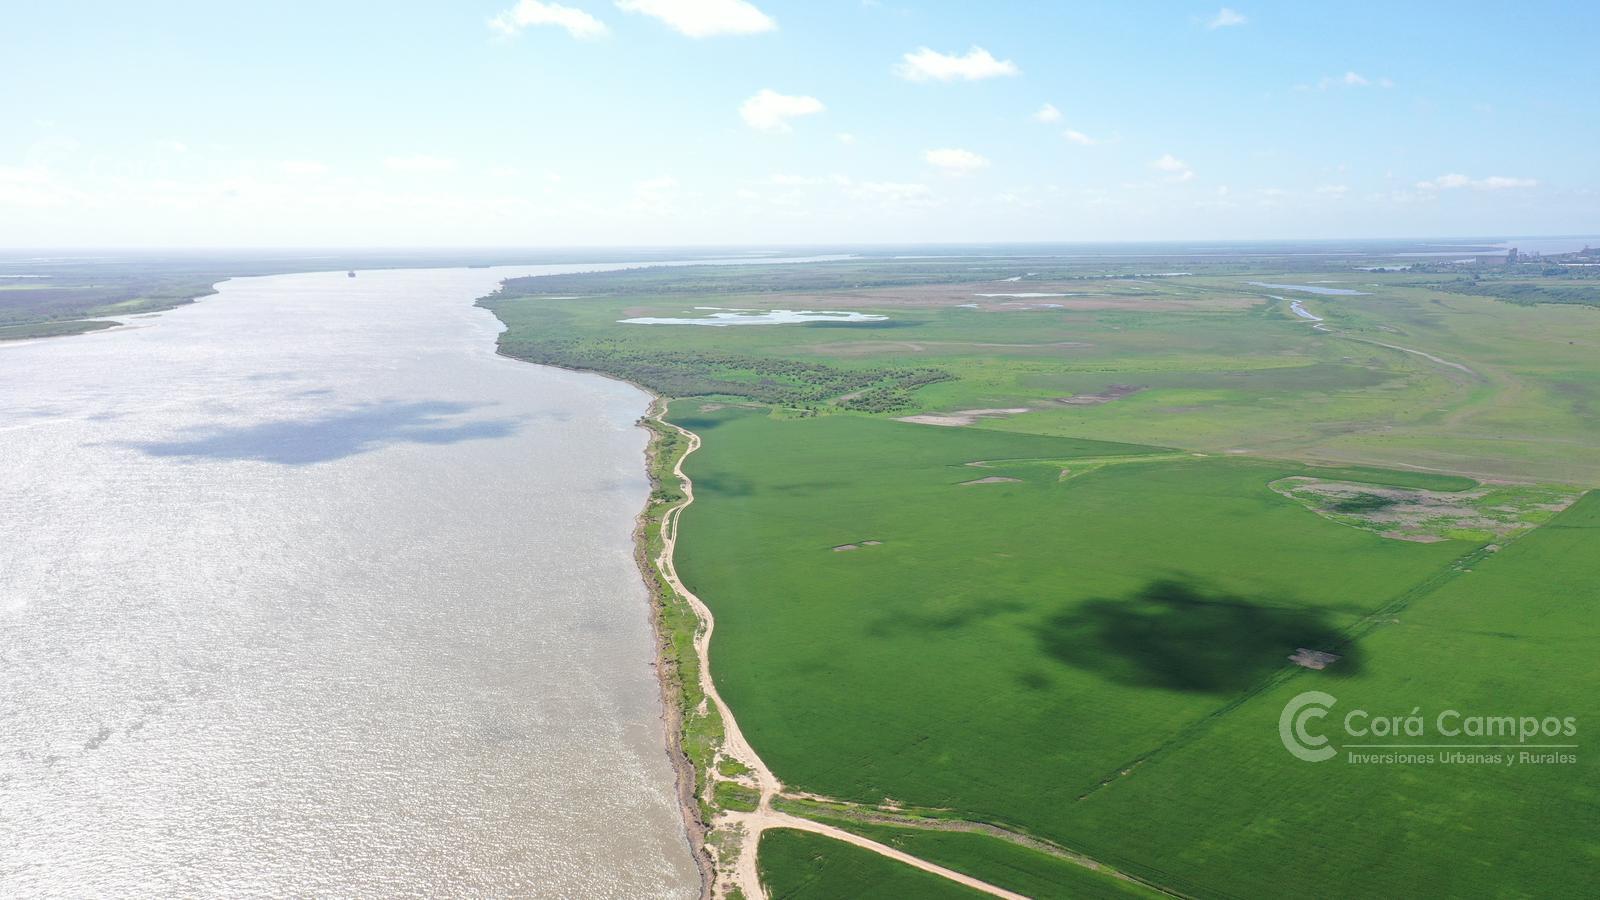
<point>845,137</point>
<point>976,64</point>
<point>1175,168</point>
<point>896,193</point>
<point>419,163</point>
<point>1226,18</point>
<point>527,13</point>
<point>35,188</point>
<point>955,161</point>
<point>1491,183</point>
<point>704,18</point>
<point>1047,114</point>
<point>1352,80</point>
<point>787,180</point>
<point>655,196</point>
<point>771,111</point>
<point>1079,138</point>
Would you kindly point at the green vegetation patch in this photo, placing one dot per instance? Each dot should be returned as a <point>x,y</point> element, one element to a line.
<point>1227,811</point>
<point>550,334</point>
<point>52,329</point>
<point>798,865</point>
<point>1009,646</point>
<point>1026,870</point>
<point>1547,290</point>
<point>731,795</point>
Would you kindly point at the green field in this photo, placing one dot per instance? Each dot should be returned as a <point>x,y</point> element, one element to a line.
<point>1217,364</point>
<point>1070,615</point>
<point>1000,862</point>
<point>796,865</point>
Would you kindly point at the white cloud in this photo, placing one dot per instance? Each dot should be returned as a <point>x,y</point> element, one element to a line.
<point>845,137</point>
<point>419,163</point>
<point>1079,138</point>
<point>655,195</point>
<point>930,65</point>
<point>703,18</point>
<point>1047,114</point>
<point>1501,182</point>
<point>1492,183</point>
<point>175,146</point>
<point>771,111</point>
<point>1176,169</point>
<point>1333,190</point>
<point>303,167</point>
<point>785,180</point>
<point>34,187</point>
<point>578,23</point>
<point>955,161</point>
<point>1352,80</point>
<point>896,192</point>
<point>1225,18</point>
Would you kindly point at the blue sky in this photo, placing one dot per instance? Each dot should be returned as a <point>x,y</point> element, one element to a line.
<point>498,122</point>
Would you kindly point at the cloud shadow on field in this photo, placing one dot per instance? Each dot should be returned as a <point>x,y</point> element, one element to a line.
<point>944,617</point>
<point>336,435</point>
<point>1178,637</point>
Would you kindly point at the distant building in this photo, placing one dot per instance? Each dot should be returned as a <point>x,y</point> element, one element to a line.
<point>1511,257</point>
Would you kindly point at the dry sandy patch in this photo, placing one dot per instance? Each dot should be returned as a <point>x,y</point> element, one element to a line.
<point>962,416</point>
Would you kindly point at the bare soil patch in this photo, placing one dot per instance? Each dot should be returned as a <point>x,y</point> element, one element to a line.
<point>1408,514</point>
<point>1105,395</point>
<point>1313,659</point>
<point>993,479</point>
<point>963,416</point>
<point>844,548</point>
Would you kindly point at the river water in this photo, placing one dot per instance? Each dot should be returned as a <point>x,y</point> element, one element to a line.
<point>304,591</point>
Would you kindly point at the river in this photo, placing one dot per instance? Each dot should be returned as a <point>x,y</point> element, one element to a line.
<point>305,591</point>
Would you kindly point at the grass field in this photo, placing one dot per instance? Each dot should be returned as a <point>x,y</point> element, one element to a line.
<point>1239,816</point>
<point>999,862</point>
<point>1008,646</point>
<point>1214,363</point>
<point>1072,616</point>
<point>796,865</point>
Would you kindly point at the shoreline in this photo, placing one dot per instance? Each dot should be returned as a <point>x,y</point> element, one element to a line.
<point>724,839</point>
<point>702,739</point>
<point>667,663</point>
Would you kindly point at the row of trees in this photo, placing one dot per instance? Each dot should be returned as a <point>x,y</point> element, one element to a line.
<point>775,380</point>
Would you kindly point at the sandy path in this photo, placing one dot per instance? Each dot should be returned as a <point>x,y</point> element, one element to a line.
<point>1303,313</point>
<point>1428,356</point>
<point>746,875</point>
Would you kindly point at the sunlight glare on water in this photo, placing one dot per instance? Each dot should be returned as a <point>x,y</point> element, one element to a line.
<point>304,591</point>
